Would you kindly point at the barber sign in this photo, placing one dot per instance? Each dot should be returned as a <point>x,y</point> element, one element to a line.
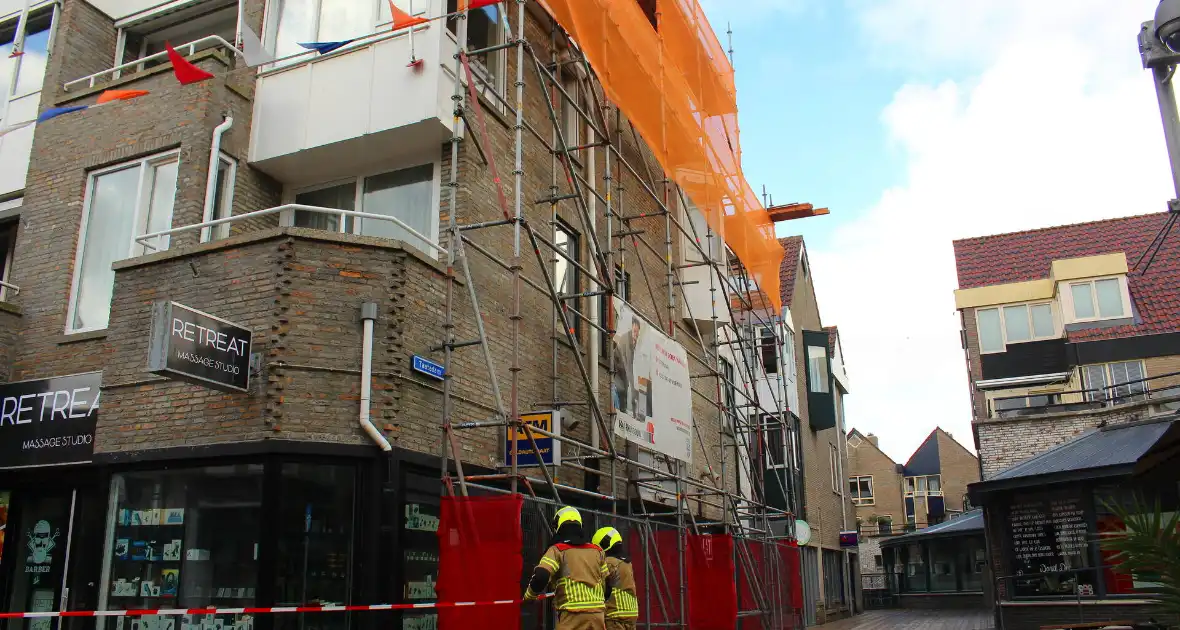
<point>200,348</point>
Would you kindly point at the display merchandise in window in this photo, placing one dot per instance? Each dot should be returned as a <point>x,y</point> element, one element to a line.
<point>183,539</point>
<point>419,538</point>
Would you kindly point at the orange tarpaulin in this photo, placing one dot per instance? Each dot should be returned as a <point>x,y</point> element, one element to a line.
<point>675,84</point>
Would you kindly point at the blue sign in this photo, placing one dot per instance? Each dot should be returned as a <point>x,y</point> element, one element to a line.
<point>429,368</point>
<point>550,448</point>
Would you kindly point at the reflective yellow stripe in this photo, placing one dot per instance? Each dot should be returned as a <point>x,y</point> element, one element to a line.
<point>579,596</point>
<point>551,563</point>
<point>605,570</point>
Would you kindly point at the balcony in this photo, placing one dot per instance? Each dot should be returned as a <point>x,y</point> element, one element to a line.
<point>1159,393</point>
<point>321,116</point>
<point>704,296</point>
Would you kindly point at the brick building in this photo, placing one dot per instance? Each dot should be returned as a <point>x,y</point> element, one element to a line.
<point>156,494</point>
<point>1072,340</point>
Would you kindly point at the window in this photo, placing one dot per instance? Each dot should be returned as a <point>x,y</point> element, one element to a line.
<point>728,388</point>
<point>927,485</point>
<point>776,452</point>
<point>223,199</point>
<point>860,488</point>
<point>565,274</point>
<point>179,27</point>
<point>834,466</point>
<point>122,202</point>
<point>622,292</point>
<point>485,28</point>
<point>407,194</point>
<point>1014,324</point>
<point>878,561</point>
<point>323,21</point>
<point>1099,299</point>
<point>5,498</point>
<point>28,68</point>
<point>1033,401</point>
<point>885,524</point>
<point>1115,382</point>
<point>817,369</point>
<point>768,348</point>
<point>649,11</point>
<point>697,228</point>
<point>7,249</point>
<point>572,123</point>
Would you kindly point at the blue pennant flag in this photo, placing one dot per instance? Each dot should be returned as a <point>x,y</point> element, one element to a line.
<point>325,47</point>
<point>54,112</point>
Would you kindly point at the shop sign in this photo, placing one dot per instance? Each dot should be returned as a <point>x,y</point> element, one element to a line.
<point>49,421</point>
<point>549,448</point>
<point>193,346</point>
<point>849,539</point>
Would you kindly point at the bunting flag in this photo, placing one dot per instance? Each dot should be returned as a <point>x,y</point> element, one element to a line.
<point>252,48</point>
<point>4,131</point>
<point>477,4</point>
<point>54,112</point>
<point>401,19</point>
<point>324,47</point>
<point>185,72</point>
<point>119,95</point>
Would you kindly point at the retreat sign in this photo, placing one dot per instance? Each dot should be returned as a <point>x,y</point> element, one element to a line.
<point>49,421</point>
<point>197,347</point>
<point>650,387</point>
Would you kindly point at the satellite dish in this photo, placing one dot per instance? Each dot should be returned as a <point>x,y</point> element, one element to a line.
<point>802,532</point>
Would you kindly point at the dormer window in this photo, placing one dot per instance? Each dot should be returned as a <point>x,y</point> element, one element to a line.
<point>1094,300</point>
<point>1002,325</point>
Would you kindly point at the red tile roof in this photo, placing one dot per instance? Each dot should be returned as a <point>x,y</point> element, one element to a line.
<point>791,246</point>
<point>1022,256</point>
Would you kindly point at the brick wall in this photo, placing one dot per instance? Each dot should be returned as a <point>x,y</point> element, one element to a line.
<point>958,468</point>
<point>867,459</point>
<point>10,322</point>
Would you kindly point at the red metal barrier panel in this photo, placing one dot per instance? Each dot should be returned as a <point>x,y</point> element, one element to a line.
<point>790,555</point>
<point>712,604</point>
<point>479,542</point>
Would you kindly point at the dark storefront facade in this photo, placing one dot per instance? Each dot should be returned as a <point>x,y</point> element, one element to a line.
<point>942,566</point>
<point>1045,518</point>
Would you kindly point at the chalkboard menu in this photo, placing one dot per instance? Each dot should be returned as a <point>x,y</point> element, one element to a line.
<point>1049,544</point>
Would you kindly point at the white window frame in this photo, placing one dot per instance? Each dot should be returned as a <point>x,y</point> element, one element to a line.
<point>6,267</point>
<point>10,93</point>
<point>359,181</point>
<point>219,232</point>
<point>134,248</point>
<point>857,499</point>
<point>1109,383</point>
<point>270,29</point>
<point>498,82</point>
<point>999,308</point>
<point>1069,308</point>
<point>926,491</point>
<point>834,457</point>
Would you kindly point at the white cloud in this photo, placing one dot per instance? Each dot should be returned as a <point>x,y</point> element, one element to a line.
<point>1057,124</point>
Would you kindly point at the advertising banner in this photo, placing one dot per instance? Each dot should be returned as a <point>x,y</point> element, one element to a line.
<point>650,387</point>
<point>48,421</point>
<point>197,347</point>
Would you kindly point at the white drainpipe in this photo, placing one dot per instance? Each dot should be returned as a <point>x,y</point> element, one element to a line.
<point>368,316</point>
<point>211,176</point>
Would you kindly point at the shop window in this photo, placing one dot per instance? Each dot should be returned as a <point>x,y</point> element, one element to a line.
<point>407,194</point>
<point>29,68</point>
<point>122,202</point>
<point>183,539</point>
<point>7,251</point>
<point>419,542</point>
<point>944,565</point>
<point>915,569</point>
<point>315,535</point>
<point>974,564</point>
<point>1116,582</point>
<point>566,278</point>
<point>146,38</point>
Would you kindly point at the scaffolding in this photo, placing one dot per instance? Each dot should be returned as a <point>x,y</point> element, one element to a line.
<point>731,497</point>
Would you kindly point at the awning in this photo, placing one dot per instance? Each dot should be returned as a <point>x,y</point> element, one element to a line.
<point>967,524</point>
<point>1110,451</point>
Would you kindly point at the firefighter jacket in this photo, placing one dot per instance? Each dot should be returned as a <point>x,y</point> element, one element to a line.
<point>578,573</point>
<point>622,603</point>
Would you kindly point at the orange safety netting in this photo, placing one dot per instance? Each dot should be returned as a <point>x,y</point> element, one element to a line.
<point>675,84</point>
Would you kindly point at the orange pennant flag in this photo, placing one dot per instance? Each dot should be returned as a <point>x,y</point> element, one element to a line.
<point>401,19</point>
<point>119,95</point>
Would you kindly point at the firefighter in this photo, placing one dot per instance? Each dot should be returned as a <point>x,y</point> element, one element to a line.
<point>577,568</point>
<point>622,607</point>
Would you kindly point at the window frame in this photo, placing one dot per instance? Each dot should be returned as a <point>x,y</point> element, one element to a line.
<point>729,384</point>
<point>575,238</point>
<point>358,182</point>
<point>272,15</point>
<point>35,12</point>
<point>499,79</point>
<point>1109,392</point>
<point>605,308</point>
<point>131,25</point>
<point>143,197</point>
<point>689,253</point>
<point>999,309</point>
<point>834,465</point>
<point>911,488</point>
<point>7,255</point>
<point>857,499</point>
<point>218,232</point>
<point>1067,299</point>
<point>815,384</point>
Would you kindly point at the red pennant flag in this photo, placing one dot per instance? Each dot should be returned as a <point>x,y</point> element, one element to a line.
<point>119,95</point>
<point>185,72</point>
<point>477,4</point>
<point>401,19</point>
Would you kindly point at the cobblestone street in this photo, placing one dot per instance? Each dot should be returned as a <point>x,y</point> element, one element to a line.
<point>916,620</point>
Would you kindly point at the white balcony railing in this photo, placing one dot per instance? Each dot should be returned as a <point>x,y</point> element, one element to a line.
<point>209,41</point>
<point>286,218</point>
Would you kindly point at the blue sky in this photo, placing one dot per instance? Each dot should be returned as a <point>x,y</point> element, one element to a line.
<point>922,121</point>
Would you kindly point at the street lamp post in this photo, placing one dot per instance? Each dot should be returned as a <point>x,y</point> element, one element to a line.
<point>1159,48</point>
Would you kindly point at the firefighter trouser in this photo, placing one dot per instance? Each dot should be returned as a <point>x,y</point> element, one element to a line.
<point>580,620</point>
<point>620,624</point>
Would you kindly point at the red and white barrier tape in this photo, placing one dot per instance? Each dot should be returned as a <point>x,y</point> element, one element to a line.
<point>254,610</point>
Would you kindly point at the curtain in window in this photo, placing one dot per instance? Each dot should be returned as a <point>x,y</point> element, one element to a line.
<point>1127,377</point>
<point>109,225</point>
